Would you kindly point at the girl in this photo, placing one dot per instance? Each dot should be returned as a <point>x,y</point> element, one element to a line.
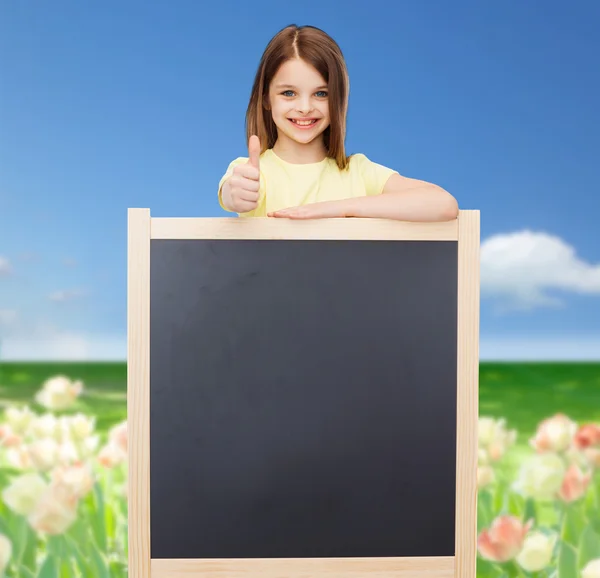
<point>296,126</point>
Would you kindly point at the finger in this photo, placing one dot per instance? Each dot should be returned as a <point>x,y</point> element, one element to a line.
<point>251,196</point>
<point>254,151</point>
<point>284,213</point>
<point>247,171</point>
<point>249,185</point>
<point>245,206</point>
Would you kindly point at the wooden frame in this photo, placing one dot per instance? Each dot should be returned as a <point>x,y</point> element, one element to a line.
<point>141,229</point>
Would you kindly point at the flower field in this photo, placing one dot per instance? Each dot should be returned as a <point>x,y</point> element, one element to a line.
<point>63,471</point>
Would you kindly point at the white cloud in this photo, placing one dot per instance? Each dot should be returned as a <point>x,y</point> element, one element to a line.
<point>523,268</point>
<point>5,266</point>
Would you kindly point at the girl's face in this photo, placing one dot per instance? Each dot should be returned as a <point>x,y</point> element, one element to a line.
<point>299,102</point>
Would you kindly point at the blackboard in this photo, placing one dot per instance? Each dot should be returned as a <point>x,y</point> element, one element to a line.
<point>302,394</point>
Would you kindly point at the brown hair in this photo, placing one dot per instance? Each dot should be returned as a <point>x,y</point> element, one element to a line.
<point>319,50</point>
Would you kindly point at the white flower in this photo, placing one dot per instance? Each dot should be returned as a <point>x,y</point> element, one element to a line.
<point>89,446</point>
<point>24,492</point>
<point>111,455</point>
<point>541,477</point>
<point>59,392</point>
<point>115,451</point>
<point>19,419</point>
<point>8,437</point>
<point>485,476</point>
<point>536,552</point>
<point>554,434</point>
<point>53,514</point>
<point>81,426</point>
<point>591,569</point>
<point>482,457</point>
<point>44,453</point>
<point>73,482</point>
<point>494,438</point>
<point>118,435</point>
<point>67,453</point>
<point>5,552</point>
<point>45,426</point>
<point>19,458</point>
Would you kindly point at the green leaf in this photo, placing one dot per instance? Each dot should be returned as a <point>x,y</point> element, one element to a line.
<point>591,499</point>
<point>55,546</point>
<point>484,510</point>
<point>99,563</point>
<point>516,504</point>
<point>49,569</point>
<point>573,524</point>
<point>499,497</point>
<point>98,520</point>
<point>78,557</point>
<point>488,569</point>
<point>65,569</point>
<point>589,546</point>
<point>28,547</point>
<point>530,511</point>
<point>567,561</point>
<point>118,569</point>
<point>4,526</point>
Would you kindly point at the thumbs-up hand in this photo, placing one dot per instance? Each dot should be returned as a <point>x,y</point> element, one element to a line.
<point>240,191</point>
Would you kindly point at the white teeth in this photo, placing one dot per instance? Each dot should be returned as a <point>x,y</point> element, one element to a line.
<point>303,122</point>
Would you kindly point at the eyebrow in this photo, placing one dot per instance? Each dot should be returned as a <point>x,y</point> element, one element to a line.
<point>278,86</point>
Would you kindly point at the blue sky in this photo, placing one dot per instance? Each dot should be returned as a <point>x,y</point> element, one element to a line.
<point>107,105</point>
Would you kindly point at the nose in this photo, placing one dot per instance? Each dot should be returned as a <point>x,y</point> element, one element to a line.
<point>304,106</point>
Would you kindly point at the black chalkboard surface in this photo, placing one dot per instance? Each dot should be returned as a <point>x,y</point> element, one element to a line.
<point>302,398</point>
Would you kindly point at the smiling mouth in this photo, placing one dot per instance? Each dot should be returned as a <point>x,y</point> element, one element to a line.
<point>303,123</point>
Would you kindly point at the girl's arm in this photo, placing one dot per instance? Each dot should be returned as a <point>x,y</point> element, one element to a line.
<point>403,199</point>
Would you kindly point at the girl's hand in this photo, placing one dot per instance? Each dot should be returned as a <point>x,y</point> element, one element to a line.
<point>240,191</point>
<point>323,210</point>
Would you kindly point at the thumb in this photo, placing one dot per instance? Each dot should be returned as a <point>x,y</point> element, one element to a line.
<point>254,151</point>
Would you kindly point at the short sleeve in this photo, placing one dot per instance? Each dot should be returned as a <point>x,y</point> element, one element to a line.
<point>228,173</point>
<point>373,175</point>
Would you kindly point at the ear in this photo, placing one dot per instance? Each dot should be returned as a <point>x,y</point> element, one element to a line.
<point>266,103</point>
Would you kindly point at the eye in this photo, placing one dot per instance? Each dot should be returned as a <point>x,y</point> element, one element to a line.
<point>286,91</point>
<point>323,93</point>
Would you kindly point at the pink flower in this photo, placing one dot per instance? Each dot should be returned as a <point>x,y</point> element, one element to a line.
<point>574,484</point>
<point>118,435</point>
<point>588,435</point>
<point>504,540</point>
<point>8,438</point>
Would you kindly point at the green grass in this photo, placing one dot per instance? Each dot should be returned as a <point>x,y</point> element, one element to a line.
<point>525,393</point>
<point>104,395</point>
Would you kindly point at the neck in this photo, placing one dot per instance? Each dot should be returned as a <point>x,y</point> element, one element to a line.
<point>301,154</point>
